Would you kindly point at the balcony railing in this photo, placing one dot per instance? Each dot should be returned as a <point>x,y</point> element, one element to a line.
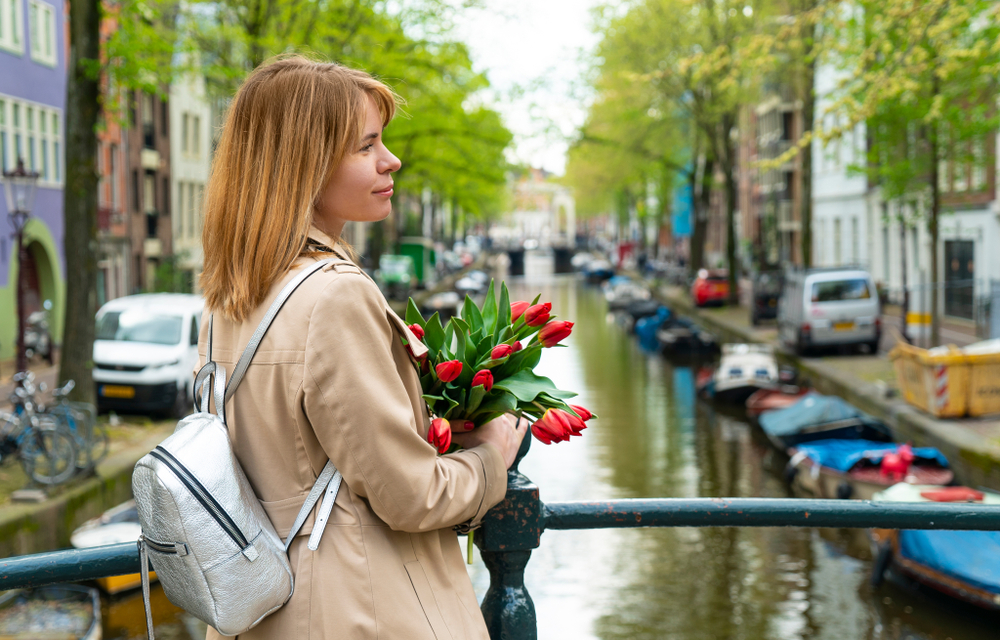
<point>514,528</point>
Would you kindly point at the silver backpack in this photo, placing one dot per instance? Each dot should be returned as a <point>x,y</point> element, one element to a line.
<point>209,540</point>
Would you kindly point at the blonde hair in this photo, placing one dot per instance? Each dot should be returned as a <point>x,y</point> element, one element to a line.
<point>287,130</point>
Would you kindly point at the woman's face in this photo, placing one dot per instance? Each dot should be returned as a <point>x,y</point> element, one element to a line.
<point>361,187</point>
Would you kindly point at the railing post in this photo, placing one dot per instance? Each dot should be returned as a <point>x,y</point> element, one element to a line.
<point>510,531</point>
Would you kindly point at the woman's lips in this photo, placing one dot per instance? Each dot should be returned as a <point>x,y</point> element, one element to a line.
<point>385,192</point>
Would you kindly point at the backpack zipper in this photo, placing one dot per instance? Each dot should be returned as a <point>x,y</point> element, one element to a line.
<point>202,495</point>
<point>164,547</point>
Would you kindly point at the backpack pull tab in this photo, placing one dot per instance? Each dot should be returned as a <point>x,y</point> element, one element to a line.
<point>144,573</point>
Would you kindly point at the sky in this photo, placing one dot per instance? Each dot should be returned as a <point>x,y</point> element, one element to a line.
<point>534,53</point>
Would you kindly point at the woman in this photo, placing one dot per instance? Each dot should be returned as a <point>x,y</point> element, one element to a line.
<point>301,154</point>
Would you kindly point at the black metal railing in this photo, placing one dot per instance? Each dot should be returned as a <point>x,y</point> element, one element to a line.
<point>514,528</point>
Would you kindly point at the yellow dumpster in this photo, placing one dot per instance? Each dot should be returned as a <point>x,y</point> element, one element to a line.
<point>935,380</point>
<point>984,379</point>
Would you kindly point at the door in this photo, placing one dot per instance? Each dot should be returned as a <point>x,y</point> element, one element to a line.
<point>959,270</point>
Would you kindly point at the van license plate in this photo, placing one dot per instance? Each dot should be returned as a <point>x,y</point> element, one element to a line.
<point>843,326</point>
<point>117,391</point>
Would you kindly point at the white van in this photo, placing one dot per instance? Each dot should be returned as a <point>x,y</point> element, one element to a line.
<point>145,349</point>
<point>829,307</point>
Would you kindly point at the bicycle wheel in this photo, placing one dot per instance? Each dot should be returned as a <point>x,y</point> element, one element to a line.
<point>48,453</point>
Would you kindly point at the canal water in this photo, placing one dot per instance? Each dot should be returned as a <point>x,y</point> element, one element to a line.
<point>654,438</point>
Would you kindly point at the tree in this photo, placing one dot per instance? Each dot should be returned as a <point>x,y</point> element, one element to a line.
<point>923,76</point>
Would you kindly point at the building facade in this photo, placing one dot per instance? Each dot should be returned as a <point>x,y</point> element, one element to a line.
<point>32,128</point>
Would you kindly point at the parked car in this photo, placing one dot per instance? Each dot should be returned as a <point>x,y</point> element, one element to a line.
<point>829,307</point>
<point>764,294</point>
<point>145,352</point>
<point>710,287</point>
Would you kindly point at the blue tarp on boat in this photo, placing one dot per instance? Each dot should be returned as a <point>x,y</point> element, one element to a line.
<point>813,409</point>
<point>844,454</point>
<point>969,556</point>
<point>646,328</point>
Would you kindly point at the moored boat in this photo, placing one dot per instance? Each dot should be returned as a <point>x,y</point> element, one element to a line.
<point>681,336</point>
<point>773,399</point>
<point>743,370</point>
<point>819,417</point>
<point>859,469</point>
<point>961,564</point>
<point>116,525</point>
<point>55,612</point>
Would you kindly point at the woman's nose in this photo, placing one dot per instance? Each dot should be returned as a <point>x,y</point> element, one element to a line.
<point>390,163</point>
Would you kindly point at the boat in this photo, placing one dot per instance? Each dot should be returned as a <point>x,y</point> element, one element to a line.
<point>640,309</point>
<point>646,328</point>
<point>743,370</point>
<point>964,565</point>
<point>55,612</point>
<point>598,271</point>
<point>772,399</point>
<point>116,525</point>
<point>861,468</point>
<point>681,336</point>
<point>820,417</point>
<point>621,291</point>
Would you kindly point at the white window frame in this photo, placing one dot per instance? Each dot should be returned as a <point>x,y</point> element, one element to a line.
<point>48,140</point>
<point>42,32</point>
<point>12,27</point>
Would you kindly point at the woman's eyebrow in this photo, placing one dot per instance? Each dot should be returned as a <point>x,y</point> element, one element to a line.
<point>370,136</point>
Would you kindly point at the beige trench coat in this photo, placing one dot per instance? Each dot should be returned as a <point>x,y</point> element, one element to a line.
<point>333,379</point>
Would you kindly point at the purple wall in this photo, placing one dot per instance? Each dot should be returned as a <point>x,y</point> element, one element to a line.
<point>21,77</point>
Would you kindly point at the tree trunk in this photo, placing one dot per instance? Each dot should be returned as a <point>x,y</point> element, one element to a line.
<point>701,190</point>
<point>808,118</point>
<point>80,199</point>
<point>729,169</point>
<point>932,225</point>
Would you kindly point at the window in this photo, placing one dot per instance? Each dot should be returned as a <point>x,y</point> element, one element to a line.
<point>837,253</point>
<point>11,26</point>
<point>185,128</point>
<point>148,139</point>
<point>30,132</point>
<point>164,118</point>
<point>196,136</point>
<point>855,241</point>
<point>787,125</point>
<point>978,164</point>
<point>136,199</point>
<point>149,194</point>
<point>116,203</point>
<point>837,290</point>
<point>42,32</point>
<point>190,209</point>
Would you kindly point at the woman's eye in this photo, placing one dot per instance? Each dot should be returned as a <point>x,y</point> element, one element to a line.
<point>367,147</point>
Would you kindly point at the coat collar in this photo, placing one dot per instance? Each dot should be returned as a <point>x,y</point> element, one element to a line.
<point>322,238</point>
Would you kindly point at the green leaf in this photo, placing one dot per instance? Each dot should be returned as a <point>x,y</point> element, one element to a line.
<point>476,395</point>
<point>471,314</point>
<point>490,310</point>
<point>531,359</point>
<point>526,386</point>
<point>499,401</point>
<point>434,334</point>
<point>503,312</point>
<point>449,337</point>
<point>413,314</point>
<point>441,404</point>
<point>461,333</point>
<point>458,409</point>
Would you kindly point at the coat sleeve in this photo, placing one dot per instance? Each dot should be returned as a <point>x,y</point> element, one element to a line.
<point>362,415</point>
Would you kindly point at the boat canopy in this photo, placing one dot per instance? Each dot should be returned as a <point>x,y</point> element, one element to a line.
<point>841,455</point>
<point>969,556</point>
<point>812,410</point>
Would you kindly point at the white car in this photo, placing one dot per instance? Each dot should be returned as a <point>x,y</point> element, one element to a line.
<point>827,307</point>
<point>145,349</point>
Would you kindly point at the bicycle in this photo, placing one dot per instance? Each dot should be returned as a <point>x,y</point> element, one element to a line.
<point>45,447</point>
<point>92,441</point>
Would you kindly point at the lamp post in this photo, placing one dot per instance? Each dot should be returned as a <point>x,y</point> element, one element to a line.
<point>19,189</point>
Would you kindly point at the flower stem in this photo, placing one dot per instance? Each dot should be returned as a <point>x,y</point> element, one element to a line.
<point>468,551</point>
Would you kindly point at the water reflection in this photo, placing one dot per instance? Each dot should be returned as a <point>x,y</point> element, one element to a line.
<point>654,438</point>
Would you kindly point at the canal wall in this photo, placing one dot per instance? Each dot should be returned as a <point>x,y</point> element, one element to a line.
<point>973,454</point>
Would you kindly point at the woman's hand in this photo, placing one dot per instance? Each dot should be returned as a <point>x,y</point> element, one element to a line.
<point>505,433</point>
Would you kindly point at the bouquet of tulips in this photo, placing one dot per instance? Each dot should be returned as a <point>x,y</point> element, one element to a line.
<point>480,366</point>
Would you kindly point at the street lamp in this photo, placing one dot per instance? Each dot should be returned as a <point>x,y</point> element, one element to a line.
<point>19,189</point>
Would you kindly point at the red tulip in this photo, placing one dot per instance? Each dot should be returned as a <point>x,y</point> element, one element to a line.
<point>557,425</point>
<point>484,378</point>
<point>553,332</point>
<point>517,308</point>
<point>501,351</point>
<point>584,414</point>
<point>439,434</point>
<point>517,346</point>
<point>448,371</point>
<point>538,314</point>
<point>417,331</point>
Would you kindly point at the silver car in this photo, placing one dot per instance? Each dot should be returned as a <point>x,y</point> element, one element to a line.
<point>829,307</point>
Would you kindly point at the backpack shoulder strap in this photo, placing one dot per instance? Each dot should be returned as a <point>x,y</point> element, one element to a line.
<point>265,324</point>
